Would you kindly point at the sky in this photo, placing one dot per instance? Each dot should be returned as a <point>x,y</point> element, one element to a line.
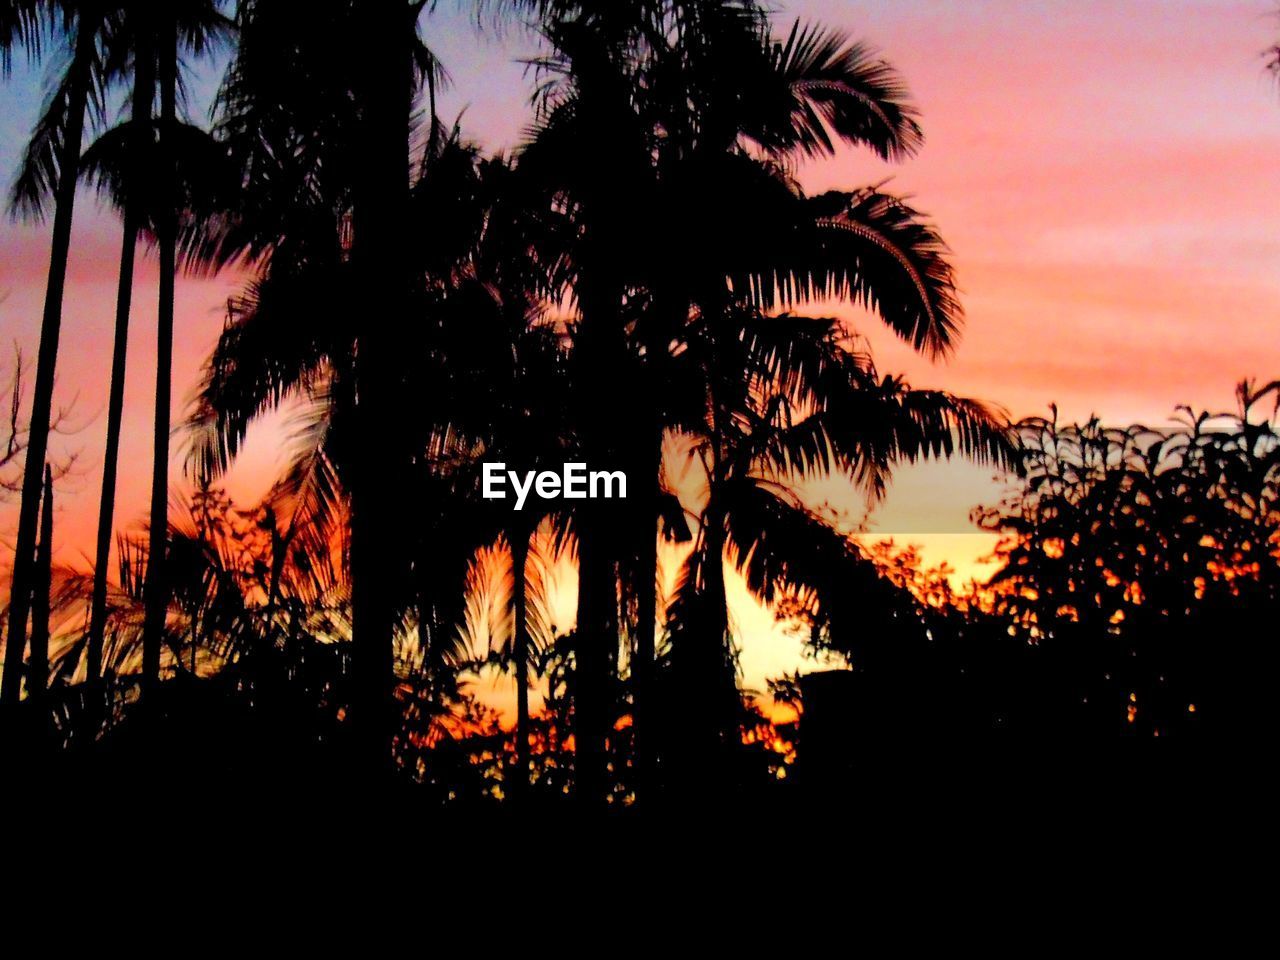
<point>1103,170</point>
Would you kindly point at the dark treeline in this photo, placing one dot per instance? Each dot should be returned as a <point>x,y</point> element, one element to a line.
<point>1135,595</point>
<point>622,291</point>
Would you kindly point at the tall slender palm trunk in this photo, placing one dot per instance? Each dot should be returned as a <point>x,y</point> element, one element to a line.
<point>596,633</point>
<point>143,91</point>
<point>519,541</point>
<point>669,315</point>
<point>704,684</point>
<point>708,687</point>
<point>156,589</point>
<point>46,364</point>
<point>642,667</point>
<point>38,674</point>
<point>383,90</point>
<point>598,354</point>
<point>111,454</point>
<point>714,713</point>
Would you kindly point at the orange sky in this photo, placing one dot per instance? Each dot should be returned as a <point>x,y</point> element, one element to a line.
<point>1104,171</point>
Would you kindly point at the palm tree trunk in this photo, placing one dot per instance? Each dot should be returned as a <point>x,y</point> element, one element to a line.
<point>156,590</point>
<point>596,631</point>
<point>643,730</point>
<point>46,364</point>
<point>704,687</point>
<point>519,542</point>
<point>38,674</point>
<point>597,355</point>
<point>143,91</point>
<point>708,687</point>
<point>712,713</point>
<point>713,656</point>
<point>279,554</point>
<point>115,413</point>
<point>371,662</point>
<point>381,201</point>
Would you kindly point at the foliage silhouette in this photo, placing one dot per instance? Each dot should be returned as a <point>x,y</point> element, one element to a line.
<point>1142,560</point>
<point>627,290</point>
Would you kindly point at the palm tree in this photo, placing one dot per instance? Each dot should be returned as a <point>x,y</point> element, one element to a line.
<point>528,423</point>
<point>38,675</point>
<point>479,253</point>
<point>589,101</point>
<point>57,138</point>
<point>529,431</point>
<point>140,142</point>
<point>294,333</point>
<point>321,105</point>
<point>695,111</point>
<point>382,89</point>
<point>124,39</point>
<point>788,399</point>
<point>124,163</point>
<point>155,593</point>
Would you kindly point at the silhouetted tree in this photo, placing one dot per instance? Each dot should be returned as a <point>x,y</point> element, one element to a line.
<point>176,27</point>
<point>1135,558</point>
<point>38,670</point>
<point>470,303</point>
<point>690,112</point>
<point>124,163</point>
<point>140,139</point>
<point>787,398</point>
<point>325,101</point>
<point>75,28</point>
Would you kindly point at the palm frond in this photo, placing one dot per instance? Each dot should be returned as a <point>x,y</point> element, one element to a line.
<point>281,335</point>
<point>835,89</point>
<point>39,170</point>
<point>24,24</point>
<point>869,248</point>
<point>781,547</point>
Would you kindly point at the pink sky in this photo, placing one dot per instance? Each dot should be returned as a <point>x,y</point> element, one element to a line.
<point>1104,171</point>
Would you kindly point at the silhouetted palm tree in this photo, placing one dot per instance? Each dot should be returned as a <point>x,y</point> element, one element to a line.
<point>529,431</point>
<point>75,27</point>
<point>177,27</point>
<point>528,422</point>
<point>127,38</point>
<point>125,164</point>
<point>787,398</point>
<point>140,139</point>
<point>382,89</point>
<point>690,113</point>
<point>38,674</point>
<point>296,330</point>
<point>324,102</point>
